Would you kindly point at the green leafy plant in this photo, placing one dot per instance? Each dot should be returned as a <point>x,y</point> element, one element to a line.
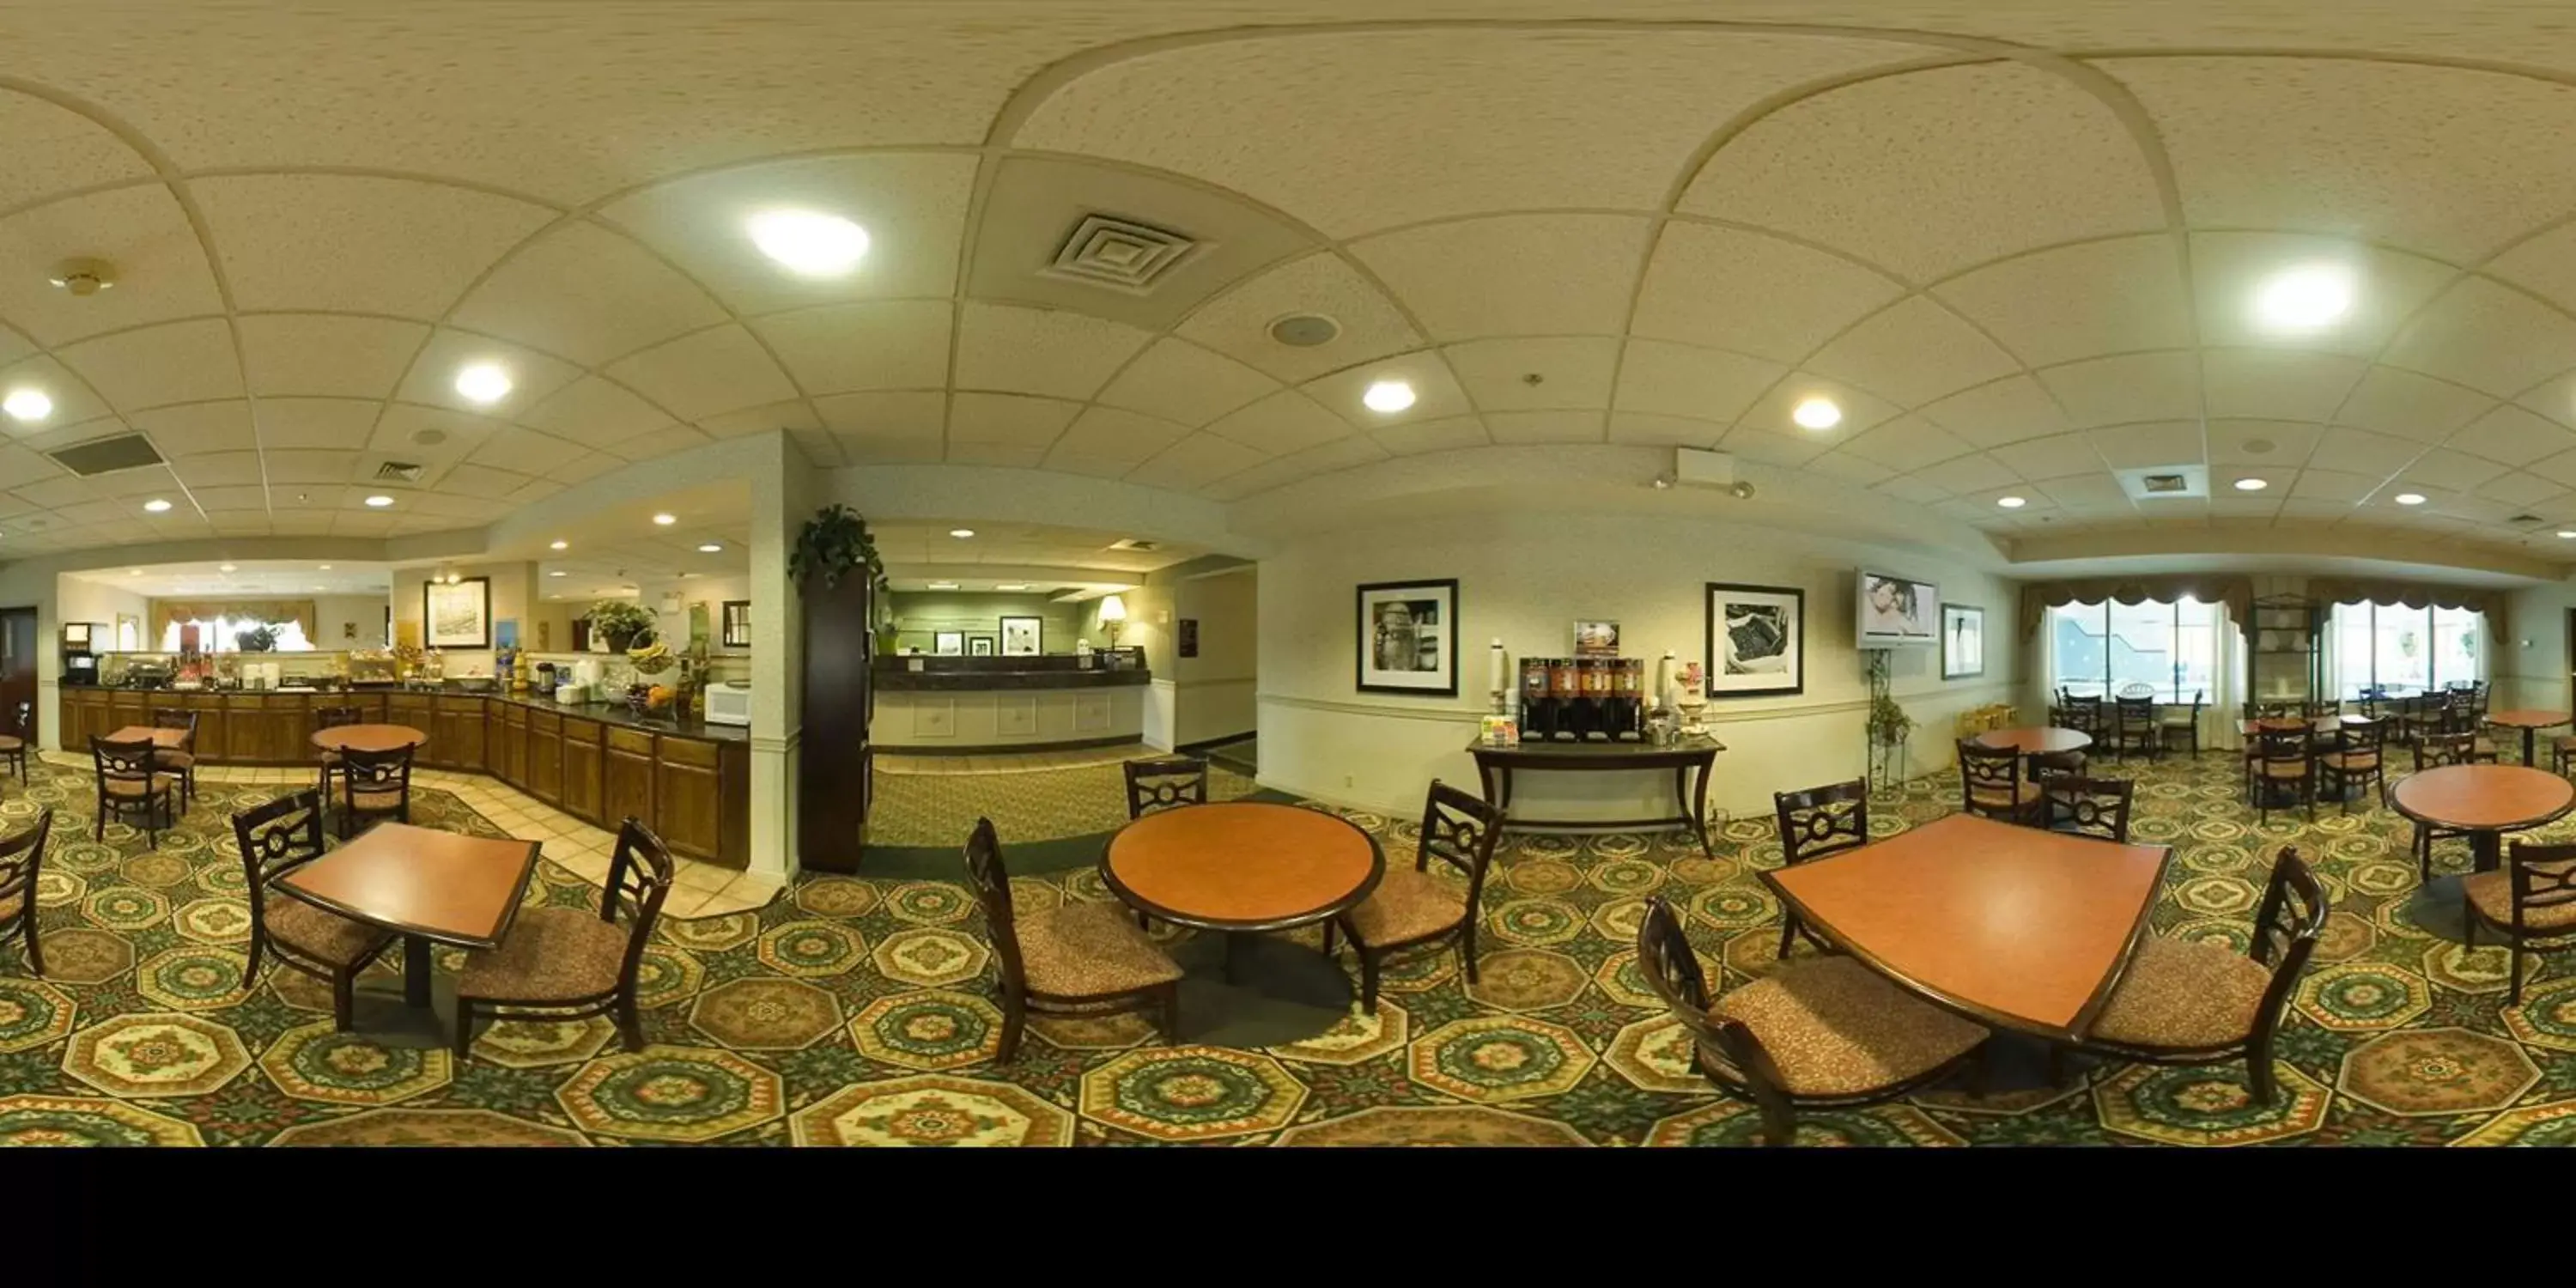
<point>620,621</point>
<point>832,545</point>
<point>1888,723</point>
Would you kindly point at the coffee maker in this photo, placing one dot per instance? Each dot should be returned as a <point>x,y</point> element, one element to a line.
<point>1582,699</point>
<point>81,643</point>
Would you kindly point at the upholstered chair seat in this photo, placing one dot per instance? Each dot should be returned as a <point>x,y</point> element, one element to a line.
<point>550,953</point>
<point>323,936</point>
<point>1409,905</point>
<point>1833,1028</point>
<point>2183,995</point>
<point>1089,950</point>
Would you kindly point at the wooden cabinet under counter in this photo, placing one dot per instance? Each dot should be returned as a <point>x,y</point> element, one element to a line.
<point>545,757</point>
<point>459,736</point>
<point>506,743</point>
<point>626,778</point>
<point>581,771</point>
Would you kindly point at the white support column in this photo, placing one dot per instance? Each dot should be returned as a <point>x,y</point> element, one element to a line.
<point>781,494</point>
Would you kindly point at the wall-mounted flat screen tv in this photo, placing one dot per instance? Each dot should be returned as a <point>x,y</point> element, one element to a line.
<point>1898,612</point>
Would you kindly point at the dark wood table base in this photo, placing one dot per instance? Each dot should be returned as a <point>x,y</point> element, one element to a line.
<point>1495,765</point>
<point>420,1015</point>
<point>1248,990</point>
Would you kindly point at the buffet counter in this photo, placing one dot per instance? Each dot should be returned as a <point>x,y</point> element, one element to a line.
<point>966,705</point>
<point>688,780</point>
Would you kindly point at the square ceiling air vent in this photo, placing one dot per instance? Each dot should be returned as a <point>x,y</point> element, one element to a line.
<point>1120,254</point>
<point>2165,482</point>
<point>107,455</point>
<point>399,472</point>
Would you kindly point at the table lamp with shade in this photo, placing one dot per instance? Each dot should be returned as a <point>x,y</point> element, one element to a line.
<point>1113,614</point>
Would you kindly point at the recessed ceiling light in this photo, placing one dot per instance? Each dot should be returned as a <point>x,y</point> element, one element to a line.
<point>1387,397</point>
<point>2408,498</point>
<point>943,585</point>
<point>557,546</point>
<point>1017,585</point>
<point>2568,533</point>
<point>156,505</point>
<point>711,548</point>
<point>2011,502</point>
<point>554,574</point>
<point>379,502</point>
<point>2304,298</point>
<point>483,382</point>
<point>225,568</point>
<point>961,533</point>
<point>133,572</point>
<point>666,520</point>
<point>27,404</point>
<point>808,243</point>
<point>1817,413</point>
<point>2252,485</point>
<point>325,568</point>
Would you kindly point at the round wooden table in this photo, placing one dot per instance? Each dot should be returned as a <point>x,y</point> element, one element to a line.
<point>368,737</point>
<point>2529,722</point>
<point>2485,801</point>
<point>2036,742</point>
<point>1242,869</point>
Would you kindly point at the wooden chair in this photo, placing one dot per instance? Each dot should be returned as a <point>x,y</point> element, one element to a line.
<point>2285,762</point>
<point>2133,727</point>
<point>2418,716</point>
<point>131,782</point>
<point>22,860</point>
<point>374,786</point>
<point>2434,751</point>
<point>565,963</point>
<point>2179,720</point>
<point>2087,806</point>
<point>2562,750</point>
<point>182,759</point>
<point>2084,715</point>
<point>275,839</point>
<point>1821,1033</point>
<point>2357,760</point>
<point>2531,901</point>
<point>1165,782</point>
<point>2056,764</point>
<point>333,718</point>
<point>1814,823</point>
<point>1990,783</point>
<point>14,744</point>
<point>1080,959</point>
<point>2191,1002</point>
<point>1414,909</point>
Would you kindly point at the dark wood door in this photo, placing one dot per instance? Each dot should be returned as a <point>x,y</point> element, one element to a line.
<point>626,780</point>
<point>545,757</point>
<point>832,773</point>
<point>17,668</point>
<point>581,771</point>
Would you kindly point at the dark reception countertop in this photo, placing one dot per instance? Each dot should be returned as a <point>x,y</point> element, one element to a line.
<point>897,679</point>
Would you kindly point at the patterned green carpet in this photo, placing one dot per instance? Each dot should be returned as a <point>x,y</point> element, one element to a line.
<point>938,810</point>
<point>854,1012</point>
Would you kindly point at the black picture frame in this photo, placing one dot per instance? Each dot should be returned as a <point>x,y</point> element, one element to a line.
<point>480,588</point>
<point>1788,641</point>
<point>1970,624</point>
<point>1442,679</point>
<point>735,616</point>
<point>980,646</point>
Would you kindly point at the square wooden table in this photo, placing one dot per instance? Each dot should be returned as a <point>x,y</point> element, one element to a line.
<point>158,737</point>
<point>426,885</point>
<point>2011,926</point>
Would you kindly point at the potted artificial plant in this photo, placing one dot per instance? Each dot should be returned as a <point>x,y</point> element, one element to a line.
<point>832,545</point>
<point>619,622</point>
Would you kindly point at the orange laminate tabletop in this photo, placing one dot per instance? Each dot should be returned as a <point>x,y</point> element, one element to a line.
<point>2015,927</point>
<point>454,889</point>
<point>368,737</point>
<point>2036,742</point>
<point>2483,798</point>
<point>1242,865</point>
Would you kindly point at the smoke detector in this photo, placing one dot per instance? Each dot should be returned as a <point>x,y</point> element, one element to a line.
<point>83,276</point>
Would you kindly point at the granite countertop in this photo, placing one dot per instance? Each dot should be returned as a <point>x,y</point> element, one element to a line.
<point>615,713</point>
<point>898,680</point>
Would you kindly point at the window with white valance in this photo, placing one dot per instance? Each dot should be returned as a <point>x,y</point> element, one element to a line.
<point>2400,650</point>
<point>2169,651</point>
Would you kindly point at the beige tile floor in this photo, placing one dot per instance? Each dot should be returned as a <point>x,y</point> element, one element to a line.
<point>697,889</point>
<point>1020,763</point>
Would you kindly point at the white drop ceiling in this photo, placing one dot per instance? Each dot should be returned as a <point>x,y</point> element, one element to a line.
<point>2017,244</point>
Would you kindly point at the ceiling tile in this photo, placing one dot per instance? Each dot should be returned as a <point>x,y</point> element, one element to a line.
<point>2513,435</point>
<point>912,205</point>
<point>432,380</point>
<point>1014,419</point>
<point>1181,382</point>
<point>704,374</point>
<point>1859,471</point>
<point>2050,458</point>
<point>524,451</point>
<point>1697,287</point>
<point>1542,427</point>
<point>218,468</point>
<point>2080,301</point>
<point>1574,373</point>
<point>327,355</point>
<point>2278,384</point>
<point>1108,436</point>
<point>2128,389</point>
<point>356,243</point>
<point>2363,453</point>
<point>884,415</point>
<point>1908,487</point>
<point>586,294</point>
<point>2486,336</point>
<point>595,411</point>
<point>1968,474</point>
<point>172,363</point>
<point>1436,392</point>
<point>1552,274</point>
<point>791,415</point>
<point>841,348</point>
<point>2521,489</point>
<point>2134,447</point>
<point>1912,353</point>
<point>2408,405</point>
<point>1237,323</point>
<point>2262,442</point>
<point>1194,462</point>
<point>2230,270</point>
<point>315,422</point>
<point>1009,349</point>
<point>143,232</point>
<point>1432,436</point>
<point>2001,411</point>
<point>2095,493</point>
<point>680,438</point>
<point>1908,443</point>
<point>1284,422</point>
<point>1669,431</point>
<point>1748,443</point>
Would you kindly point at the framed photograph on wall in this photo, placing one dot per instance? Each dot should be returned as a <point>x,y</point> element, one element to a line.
<point>979,646</point>
<point>1963,642</point>
<point>1408,637</point>
<point>737,623</point>
<point>948,643</point>
<point>1023,636</point>
<point>1757,640</point>
<point>1595,638</point>
<point>458,615</point>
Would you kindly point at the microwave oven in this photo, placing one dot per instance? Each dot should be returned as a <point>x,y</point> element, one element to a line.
<point>729,704</point>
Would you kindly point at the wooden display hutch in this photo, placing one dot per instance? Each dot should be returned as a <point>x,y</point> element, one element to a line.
<point>2285,662</point>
